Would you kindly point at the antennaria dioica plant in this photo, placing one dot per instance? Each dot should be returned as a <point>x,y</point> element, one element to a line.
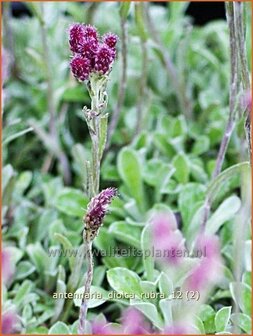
<point>92,62</point>
<point>178,112</point>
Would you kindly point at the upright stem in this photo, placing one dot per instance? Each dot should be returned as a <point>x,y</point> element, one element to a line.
<point>87,285</point>
<point>50,97</point>
<point>143,83</point>
<point>244,214</point>
<point>93,118</point>
<point>234,80</point>
<point>7,31</point>
<point>94,129</point>
<point>218,167</point>
<point>245,76</point>
<point>140,13</point>
<point>247,127</point>
<point>240,36</point>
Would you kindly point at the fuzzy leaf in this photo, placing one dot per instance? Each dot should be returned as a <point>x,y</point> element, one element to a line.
<point>59,328</point>
<point>130,171</point>
<point>92,302</point>
<point>221,319</point>
<point>124,281</point>
<point>148,260</point>
<point>225,212</point>
<point>71,202</point>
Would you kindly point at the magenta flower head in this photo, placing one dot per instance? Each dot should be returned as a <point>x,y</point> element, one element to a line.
<point>89,48</point>
<point>90,32</point>
<point>167,239</point>
<point>97,209</point>
<point>104,58</point>
<point>76,37</point>
<point>80,67</point>
<point>110,39</point>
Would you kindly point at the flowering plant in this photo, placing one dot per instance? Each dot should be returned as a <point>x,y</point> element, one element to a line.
<point>92,62</point>
<point>159,240</point>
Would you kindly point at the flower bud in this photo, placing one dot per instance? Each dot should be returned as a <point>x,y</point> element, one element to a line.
<point>103,59</point>
<point>97,209</point>
<point>90,32</point>
<point>76,37</point>
<point>110,39</point>
<point>89,48</point>
<point>80,67</point>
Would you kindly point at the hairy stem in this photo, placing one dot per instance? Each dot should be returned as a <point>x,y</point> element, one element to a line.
<point>232,108</point>
<point>93,118</point>
<point>240,37</point>
<point>87,285</point>
<point>50,97</point>
<point>247,127</point>
<point>122,86</point>
<point>218,167</point>
<point>10,45</point>
<point>142,87</point>
<point>140,14</point>
<point>95,156</point>
<point>241,46</point>
<point>244,215</point>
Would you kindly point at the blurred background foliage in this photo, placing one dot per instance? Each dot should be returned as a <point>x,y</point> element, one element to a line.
<point>166,161</point>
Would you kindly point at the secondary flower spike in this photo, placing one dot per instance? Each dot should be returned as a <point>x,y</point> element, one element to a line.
<point>90,54</point>
<point>97,209</point>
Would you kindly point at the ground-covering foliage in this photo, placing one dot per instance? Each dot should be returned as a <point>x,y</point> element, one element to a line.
<point>168,106</point>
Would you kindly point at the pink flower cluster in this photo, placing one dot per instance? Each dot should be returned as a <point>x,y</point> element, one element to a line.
<point>10,322</point>
<point>167,237</point>
<point>89,53</point>
<point>209,269</point>
<point>133,323</point>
